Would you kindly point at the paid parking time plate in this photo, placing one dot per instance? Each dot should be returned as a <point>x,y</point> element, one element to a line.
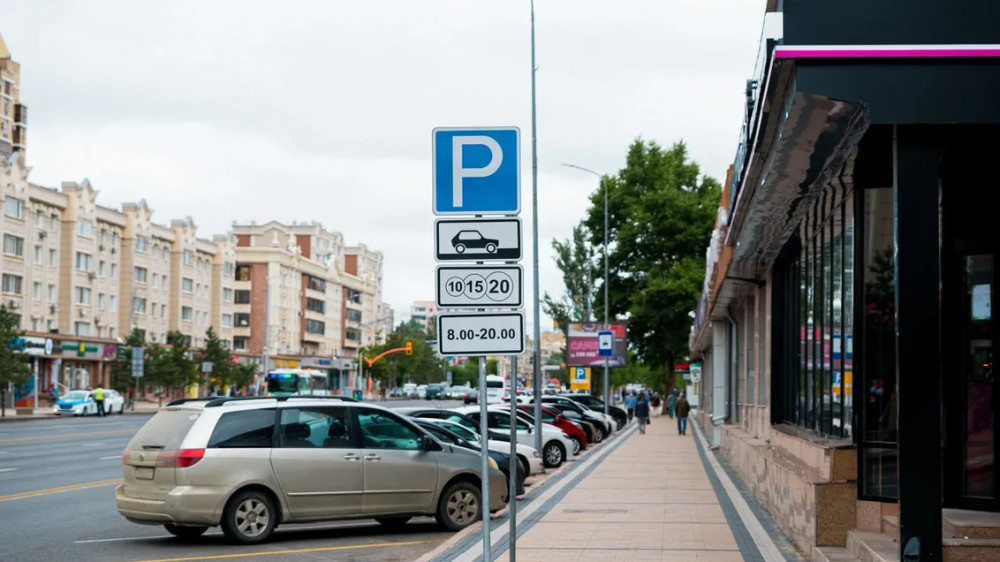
<point>481,333</point>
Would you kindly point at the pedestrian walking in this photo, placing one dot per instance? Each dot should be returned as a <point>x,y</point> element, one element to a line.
<point>99,399</point>
<point>654,405</point>
<point>683,408</point>
<point>642,413</point>
<point>383,392</point>
<point>671,403</point>
<point>630,402</point>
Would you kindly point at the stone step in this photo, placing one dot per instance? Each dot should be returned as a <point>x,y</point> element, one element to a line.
<point>833,554</point>
<point>965,524</point>
<point>868,546</point>
<point>890,526</point>
<point>970,550</point>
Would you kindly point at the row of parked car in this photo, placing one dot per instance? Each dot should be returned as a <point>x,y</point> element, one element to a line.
<point>249,464</point>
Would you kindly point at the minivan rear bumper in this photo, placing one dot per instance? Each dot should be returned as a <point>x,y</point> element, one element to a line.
<point>190,505</point>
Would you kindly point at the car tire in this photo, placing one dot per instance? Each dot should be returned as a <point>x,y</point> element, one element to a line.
<point>523,466</point>
<point>183,532</point>
<point>598,434</point>
<point>393,522</point>
<point>122,409</point>
<point>241,520</point>
<point>459,506</point>
<point>491,248</point>
<point>553,454</point>
<point>577,445</point>
<point>460,248</point>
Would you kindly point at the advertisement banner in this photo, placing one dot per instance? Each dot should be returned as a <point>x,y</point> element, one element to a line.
<point>582,345</point>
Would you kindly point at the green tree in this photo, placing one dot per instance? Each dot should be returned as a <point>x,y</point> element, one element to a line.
<point>661,212</point>
<point>242,375</point>
<point>220,358</point>
<point>14,368</point>
<point>423,366</point>
<point>575,258</point>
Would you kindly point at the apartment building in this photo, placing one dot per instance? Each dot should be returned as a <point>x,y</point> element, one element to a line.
<point>424,313</point>
<point>191,261</point>
<point>362,278</point>
<point>145,274</point>
<point>13,114</point>
<point>222,287</point>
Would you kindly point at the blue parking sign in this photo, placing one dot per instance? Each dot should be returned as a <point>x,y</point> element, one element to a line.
<point>477,171</point>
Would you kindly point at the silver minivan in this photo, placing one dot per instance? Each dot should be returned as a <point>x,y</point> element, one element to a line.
<point>248,464</point>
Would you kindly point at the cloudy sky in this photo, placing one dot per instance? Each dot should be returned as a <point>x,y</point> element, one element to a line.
<point>239,110</point>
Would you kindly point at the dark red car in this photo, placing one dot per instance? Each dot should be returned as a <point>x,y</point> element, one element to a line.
<point>553,417</point>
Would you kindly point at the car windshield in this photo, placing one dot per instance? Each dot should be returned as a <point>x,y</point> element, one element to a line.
<point>76,395</point>
<point>434,387</point>
<point>463,432</point>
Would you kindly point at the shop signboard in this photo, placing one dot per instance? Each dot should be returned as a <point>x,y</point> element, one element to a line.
<point>583,345</point>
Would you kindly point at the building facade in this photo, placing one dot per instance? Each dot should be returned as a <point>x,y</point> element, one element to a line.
<point>13,114</point>
<point>425,314</point>
<point>845,328</point>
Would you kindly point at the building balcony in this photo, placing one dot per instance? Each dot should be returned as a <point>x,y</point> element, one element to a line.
<point>313,338</point>
<point>20,114</point>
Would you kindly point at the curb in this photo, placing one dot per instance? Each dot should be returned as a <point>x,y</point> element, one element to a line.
<point>535,490</point>
<point>37,417</point>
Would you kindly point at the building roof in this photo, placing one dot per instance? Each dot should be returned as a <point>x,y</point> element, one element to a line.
<point>4,53</point>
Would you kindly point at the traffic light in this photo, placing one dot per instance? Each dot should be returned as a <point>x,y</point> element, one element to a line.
<point>409,348</point>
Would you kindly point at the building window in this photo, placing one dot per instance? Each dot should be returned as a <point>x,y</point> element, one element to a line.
<point>187,257</point>
<point>13,245</point>
<point>353,315</point>
<point>315,327</point>
<point>113,302</point>
<point>36,291</point>
<point>13,208</point>
<point>54,223</point>
<point>242,319</point>
<point>101,304</point>
<point>186,313</point>
<point>40,219</point>
<point>239,344</point>
<point>139,305</point>
<point>140,274</point>
<point>84,228</point>
<point>156,280</point>
<point>100,268</point>
<point>315,283</point>
<point>227,269</point>
<point>53,258</point>
<point>39,255</point>
<point>242,297</point>
<point>227,320</point>
<point>315,305</point>
<point>354,296</point>
<point>243,273</point>
<point>227,295</point>
<point>816,365</point>
<point>187,285</point>
<point>81,328</point>
<point>82,261</point>
<point>353,334</point>
<point>82,295</point>
<point>141,244</point>
<point>12,284</point>
<point>114,271</point>
<point>52,294</point>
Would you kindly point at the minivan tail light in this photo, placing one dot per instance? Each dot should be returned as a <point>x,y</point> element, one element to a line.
<point>179,459</point>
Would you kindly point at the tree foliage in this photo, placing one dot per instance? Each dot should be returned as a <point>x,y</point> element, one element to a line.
<point>121,367</point>
<point>661,212</point>
<point>576,259</point>
<point>422,367</point>
<point>220,358</point>
<point>14,367</point>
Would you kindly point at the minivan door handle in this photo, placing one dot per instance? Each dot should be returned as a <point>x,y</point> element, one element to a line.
<point>352,457</point>
<point>373,457</point>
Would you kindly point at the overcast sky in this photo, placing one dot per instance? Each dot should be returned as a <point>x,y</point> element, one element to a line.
<point>322,110</point>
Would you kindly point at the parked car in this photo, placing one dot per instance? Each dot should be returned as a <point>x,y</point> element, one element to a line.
<point>590,427</point>
<point>528,455</point>
<point>76,403</point>
<point>433,392</point>
<point>557,447</point>
<point>421,391</point>
<point>556,419</point>
<point>606,424</point>
<point>445,435</point>
<point>594,403</point>
<point>529,458</point>
<point>241,463</point>
<point>470,396</point>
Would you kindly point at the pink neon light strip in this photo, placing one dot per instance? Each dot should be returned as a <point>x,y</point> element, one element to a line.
<point>889,52</point>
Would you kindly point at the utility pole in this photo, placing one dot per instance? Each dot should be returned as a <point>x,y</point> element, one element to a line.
<point>536,370</point>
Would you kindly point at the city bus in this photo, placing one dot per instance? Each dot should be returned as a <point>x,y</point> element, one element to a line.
<point>286,382</point>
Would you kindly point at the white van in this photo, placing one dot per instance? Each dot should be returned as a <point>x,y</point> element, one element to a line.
<point>495,385</point>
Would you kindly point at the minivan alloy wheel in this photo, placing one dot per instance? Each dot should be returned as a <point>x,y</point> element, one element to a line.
<point>252,517</point>
<point>249,517</point>
<point>463,507</point>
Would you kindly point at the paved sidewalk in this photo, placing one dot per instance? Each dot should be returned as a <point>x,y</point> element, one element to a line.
<point>651,499</point>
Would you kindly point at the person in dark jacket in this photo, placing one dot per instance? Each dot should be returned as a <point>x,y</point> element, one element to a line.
<point>642,413</point>
<point>654,404</point>
<point>682,409</point>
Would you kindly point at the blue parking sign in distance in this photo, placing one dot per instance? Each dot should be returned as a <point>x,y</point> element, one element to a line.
<point>477,171</point>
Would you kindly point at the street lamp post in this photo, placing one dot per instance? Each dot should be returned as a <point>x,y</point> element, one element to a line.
<point>607,397</point>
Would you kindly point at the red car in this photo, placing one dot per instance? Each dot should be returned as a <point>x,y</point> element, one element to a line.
<point>554,418</point>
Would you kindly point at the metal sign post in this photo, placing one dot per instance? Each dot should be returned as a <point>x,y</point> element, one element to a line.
<point>515,464</point>
<point>484,429</point>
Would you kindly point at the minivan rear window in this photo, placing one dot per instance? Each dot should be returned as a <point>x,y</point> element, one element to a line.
<point>247,429</point>
<point>165,430</point>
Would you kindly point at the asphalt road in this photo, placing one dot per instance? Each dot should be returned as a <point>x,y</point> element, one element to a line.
<point>57,480</point>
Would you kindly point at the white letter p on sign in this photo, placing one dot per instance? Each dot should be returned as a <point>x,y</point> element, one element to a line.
<point>460,172</point>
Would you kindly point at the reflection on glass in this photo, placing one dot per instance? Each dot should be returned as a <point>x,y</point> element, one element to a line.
<point>848,344</point>
<point>978,367</point>
<point>881,478</point>
<point>879,300</point>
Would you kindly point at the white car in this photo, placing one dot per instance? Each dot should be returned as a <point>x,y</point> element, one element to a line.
<point>535,465</point>
<point>556,445</point>
<point>81,403</point>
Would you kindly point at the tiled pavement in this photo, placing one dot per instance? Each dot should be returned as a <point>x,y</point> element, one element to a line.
<point>650,499</point>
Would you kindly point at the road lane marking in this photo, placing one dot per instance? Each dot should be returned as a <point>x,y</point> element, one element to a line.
<point>97,444</point>
<point>67,436</point>
<point>289,551</point>
<point>7,469</point>
<point>60,489</point>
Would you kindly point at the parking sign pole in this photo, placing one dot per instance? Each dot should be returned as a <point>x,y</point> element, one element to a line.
<point>485,433</point>
<point>515,465</point>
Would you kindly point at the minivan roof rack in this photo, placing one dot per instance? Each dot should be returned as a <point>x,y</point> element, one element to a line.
<point>212,402</point>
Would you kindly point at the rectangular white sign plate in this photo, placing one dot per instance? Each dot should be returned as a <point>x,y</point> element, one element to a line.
<point>489,286</point>
<point>477,240</point>
<point>482,333</point>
